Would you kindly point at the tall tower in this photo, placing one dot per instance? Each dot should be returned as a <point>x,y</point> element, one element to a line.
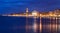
<point>26,12</point>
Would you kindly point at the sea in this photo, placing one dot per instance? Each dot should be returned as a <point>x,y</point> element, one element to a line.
<point>18,25</point>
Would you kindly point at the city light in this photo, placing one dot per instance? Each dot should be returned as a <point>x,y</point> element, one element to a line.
<point>52,26</point>
<point>34,13</point>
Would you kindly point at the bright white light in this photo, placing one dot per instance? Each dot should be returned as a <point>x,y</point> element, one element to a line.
<point>34,13</point>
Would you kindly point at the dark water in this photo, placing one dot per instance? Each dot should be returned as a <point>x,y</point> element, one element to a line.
<point>18,24</point>
<point>12,24</point>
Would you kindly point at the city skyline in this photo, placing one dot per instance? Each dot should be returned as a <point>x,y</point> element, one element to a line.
<point>29,16</point>
<point>35,13</point>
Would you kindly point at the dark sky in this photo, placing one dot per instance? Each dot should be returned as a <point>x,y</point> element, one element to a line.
<point>16,6</point>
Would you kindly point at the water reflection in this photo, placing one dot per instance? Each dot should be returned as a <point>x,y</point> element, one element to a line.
<point>43,25</point>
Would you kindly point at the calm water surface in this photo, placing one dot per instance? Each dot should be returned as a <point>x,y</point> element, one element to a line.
<point>18,24</point>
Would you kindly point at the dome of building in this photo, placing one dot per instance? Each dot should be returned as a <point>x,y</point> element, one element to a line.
<point>34,13</point>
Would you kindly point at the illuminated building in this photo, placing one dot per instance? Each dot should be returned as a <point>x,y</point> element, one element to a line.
<point>51,15</point>
<point>55,13</point>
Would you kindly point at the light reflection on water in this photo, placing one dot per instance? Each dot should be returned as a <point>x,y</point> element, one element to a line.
<point>18,25</point>
<point>49,25</point>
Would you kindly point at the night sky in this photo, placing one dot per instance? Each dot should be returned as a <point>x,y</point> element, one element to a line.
<point>16,6</point>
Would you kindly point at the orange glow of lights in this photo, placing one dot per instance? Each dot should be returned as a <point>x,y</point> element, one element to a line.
<point>40,23</point>
<point>54,26</point>
<point>35,27</point>
<point>40,27</point>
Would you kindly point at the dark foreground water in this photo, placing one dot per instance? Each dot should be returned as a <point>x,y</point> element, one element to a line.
<point>18,24</point>
<point>12,24</point>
